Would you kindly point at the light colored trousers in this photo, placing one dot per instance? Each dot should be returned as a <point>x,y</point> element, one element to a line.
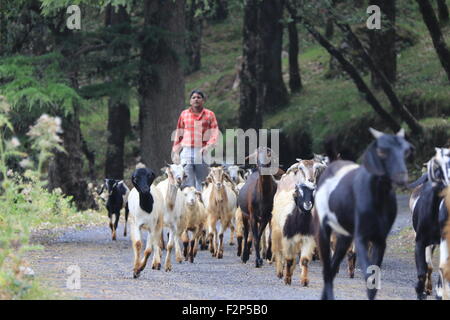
<point>195,167</point>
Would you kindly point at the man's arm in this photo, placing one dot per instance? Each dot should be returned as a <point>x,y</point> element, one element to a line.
<point>178,135</point>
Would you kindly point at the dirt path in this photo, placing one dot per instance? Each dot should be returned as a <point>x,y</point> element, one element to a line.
<point>106,271</point>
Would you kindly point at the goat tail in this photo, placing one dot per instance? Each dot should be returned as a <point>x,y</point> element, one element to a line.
<point>418,182</point>
<point>446,233</point>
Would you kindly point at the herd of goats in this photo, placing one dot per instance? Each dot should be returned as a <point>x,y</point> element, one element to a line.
<point>322,208</point>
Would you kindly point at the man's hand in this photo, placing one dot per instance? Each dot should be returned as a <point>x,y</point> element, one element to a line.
<point>176,157</point>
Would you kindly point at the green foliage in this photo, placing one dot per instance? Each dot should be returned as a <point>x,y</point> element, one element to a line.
<point>32,83</point>
<point>26,204</point>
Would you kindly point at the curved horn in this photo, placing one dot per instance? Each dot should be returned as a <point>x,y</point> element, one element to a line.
<point>401,133</point>
<point>376,133</point>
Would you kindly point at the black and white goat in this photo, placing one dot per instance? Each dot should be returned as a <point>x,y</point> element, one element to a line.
<point>359,202</point>
<point>292,231</point>
<point>116,198</point>
<point>429,216</point>
<point>146,205</point>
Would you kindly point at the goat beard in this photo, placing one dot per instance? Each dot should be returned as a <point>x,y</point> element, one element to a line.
<point>447,234</point>
<point>220,198</point>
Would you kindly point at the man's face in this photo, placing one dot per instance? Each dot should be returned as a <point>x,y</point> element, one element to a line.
<point>197,101</point>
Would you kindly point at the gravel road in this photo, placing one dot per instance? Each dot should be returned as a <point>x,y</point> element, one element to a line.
<point>106,271</point>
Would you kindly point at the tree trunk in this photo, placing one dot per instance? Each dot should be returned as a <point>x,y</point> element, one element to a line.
<point>382,42</point>
<point>118,128</point>
<point>194,27</point>
<point>270,36</point>
<point>443,12</point>
<point>3,30</point>
<point>295,82</point>
<point>262,86</point>
<point>436,34</point>
<point>66,169</point>
<point>250,115</point>
<point>118,109</point>
<point>329,28</point>
<point>161,83</point>
<point>219,10</point>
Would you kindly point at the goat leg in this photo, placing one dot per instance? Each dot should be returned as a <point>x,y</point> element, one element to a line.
<point>127,211</point>
<point>289,270</point>
<point>325,256</point>
<point>421,266</point>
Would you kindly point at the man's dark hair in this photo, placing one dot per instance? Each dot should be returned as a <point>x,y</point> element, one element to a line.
<point>198,92</point>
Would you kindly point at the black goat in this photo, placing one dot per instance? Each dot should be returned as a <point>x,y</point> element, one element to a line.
<point>425,202</point>
<point>359,202</point>
<point>117,195</point>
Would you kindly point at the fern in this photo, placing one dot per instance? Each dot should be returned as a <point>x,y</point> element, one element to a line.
<point>25,84</point>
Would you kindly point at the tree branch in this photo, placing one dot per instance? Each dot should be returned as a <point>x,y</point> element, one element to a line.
<point>415,127</point>
<point>349,68</point>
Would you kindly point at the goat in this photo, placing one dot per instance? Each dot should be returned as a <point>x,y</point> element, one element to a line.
<point>220,203</point>
<point>146,208</point>
<point>359,202</point>
<point>256,202</point>
<point>265,246</point>
<point>196,220</point>
<point>292,230</point>
<point>425,201</point>
<point>174,209</point>
<point>235,173</point>
<point>116,199</point>
<point>310,169</point>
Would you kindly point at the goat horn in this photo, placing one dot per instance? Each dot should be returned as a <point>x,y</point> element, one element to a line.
<point>401,133</point>
<point>376,133</point>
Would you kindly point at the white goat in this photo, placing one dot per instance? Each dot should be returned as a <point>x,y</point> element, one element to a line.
<point>195,221</point>
<point>146,207</point>
<point>220,202</point>
<point>174,217</point>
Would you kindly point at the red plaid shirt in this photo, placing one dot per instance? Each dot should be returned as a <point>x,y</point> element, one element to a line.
<point>196,129</point>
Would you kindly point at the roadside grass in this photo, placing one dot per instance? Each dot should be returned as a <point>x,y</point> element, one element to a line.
<point>27,207</point>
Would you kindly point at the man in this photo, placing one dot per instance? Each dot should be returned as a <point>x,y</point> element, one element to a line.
<point>196,133</point>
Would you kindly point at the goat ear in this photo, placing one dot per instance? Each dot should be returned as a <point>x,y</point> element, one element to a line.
<point>151,178</point>
<point>438,150</point>
<point>133,181</point>
<point>372,162</point>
